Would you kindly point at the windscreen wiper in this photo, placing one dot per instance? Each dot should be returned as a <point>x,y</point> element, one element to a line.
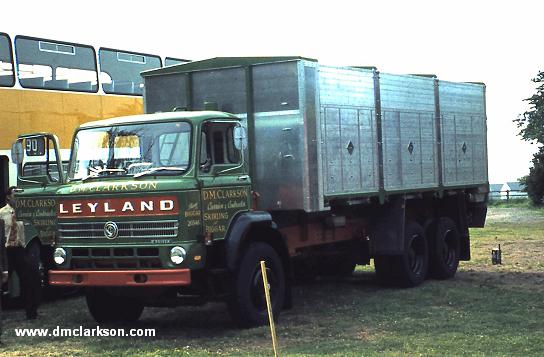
<point>96,172</point>
<point>155,169</point>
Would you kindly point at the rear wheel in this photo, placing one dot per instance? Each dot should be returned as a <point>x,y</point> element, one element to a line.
<point>105,307</point>
<point>247,305</point>
<point>410,268</point>
<point>445,248</point>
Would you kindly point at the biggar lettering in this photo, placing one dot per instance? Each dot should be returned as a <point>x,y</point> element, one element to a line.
<point>106,207</point>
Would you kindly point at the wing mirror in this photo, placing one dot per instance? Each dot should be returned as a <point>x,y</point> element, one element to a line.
<point>240,138</point>
<point>17,152</point>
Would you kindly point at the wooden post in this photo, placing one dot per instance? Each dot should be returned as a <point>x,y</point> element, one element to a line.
<point>269,307</point>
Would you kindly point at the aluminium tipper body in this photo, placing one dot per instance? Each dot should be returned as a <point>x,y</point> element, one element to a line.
<point>321,133</point>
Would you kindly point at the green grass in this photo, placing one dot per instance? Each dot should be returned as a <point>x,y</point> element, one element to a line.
<point>485,310</point>
<point>512,203</point>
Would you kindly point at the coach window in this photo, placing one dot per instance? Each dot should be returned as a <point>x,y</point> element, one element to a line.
<point>123,70</point>
<point>55,65</point>
<point>7,79</point>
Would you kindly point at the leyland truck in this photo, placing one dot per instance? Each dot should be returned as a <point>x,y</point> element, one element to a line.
<point>312,168</point>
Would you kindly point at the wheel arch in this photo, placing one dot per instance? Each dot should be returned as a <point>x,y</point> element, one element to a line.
<point>257,226</point>
<point>31,235</point>
<point>253,226</point>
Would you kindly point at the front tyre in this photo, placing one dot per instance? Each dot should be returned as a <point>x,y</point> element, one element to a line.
<point>247,305</point>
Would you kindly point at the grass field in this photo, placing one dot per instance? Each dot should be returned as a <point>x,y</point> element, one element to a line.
<point>486,309</point>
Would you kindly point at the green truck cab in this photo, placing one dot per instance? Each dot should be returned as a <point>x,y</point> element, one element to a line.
<point>143,200</point>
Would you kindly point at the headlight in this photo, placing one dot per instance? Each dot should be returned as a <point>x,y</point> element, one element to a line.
<point>59,256</point>
<point>177,255</point>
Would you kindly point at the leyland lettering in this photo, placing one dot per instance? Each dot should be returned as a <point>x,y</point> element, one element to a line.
<point>160,205</point>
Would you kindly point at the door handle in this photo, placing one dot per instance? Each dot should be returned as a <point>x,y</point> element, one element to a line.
<point>243,178</point>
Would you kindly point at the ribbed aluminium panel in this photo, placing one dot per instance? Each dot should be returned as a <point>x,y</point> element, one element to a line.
<point>348,130</point>
<point>464,150</point>
<point>409,140</point>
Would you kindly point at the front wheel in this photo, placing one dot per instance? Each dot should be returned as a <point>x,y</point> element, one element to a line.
<point>247,304</point>
<point>105,307</point>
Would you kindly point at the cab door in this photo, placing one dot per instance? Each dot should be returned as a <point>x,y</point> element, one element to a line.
<point>40,172</point>
<point>223,176</point>
<point>38,161</point>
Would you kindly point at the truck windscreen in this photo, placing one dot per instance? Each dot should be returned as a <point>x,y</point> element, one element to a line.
<point>131,150</point>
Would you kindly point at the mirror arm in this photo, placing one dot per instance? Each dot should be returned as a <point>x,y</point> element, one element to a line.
<point>233,168</point>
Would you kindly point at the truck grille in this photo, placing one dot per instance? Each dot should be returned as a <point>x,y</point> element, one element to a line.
<point>127,229</point>
<point>115,258</point>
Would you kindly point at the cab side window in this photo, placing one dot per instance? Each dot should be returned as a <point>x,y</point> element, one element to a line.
<point>218,146</point>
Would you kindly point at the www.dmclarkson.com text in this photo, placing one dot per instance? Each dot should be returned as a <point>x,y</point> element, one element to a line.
<point>84,332</point>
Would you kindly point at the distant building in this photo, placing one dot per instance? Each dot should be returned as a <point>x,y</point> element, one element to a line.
<point>495,190</point>
<point>507,190</point>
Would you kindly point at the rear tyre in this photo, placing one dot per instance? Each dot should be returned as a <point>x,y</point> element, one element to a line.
<point>247,304</point>
<point>410,268</point>
<point>445,249</point>
<point>105,307</point>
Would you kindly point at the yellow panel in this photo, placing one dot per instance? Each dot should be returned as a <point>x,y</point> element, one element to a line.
<point>78,109</point>
<point>9,117</point>
<point>60,113</point>
<point>117,106</point>
<point>43,111</point>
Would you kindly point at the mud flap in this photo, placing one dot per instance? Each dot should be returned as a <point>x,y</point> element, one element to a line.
<point>387,237</point>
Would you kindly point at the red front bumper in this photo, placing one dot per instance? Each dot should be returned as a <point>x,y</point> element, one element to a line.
<point>166,277</point>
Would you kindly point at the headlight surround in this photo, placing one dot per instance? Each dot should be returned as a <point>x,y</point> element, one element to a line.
<point>59,256</point>
<point>177,255</point>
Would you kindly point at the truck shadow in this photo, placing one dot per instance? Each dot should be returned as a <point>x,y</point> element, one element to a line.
<point>312,301</point>
<point>215,320</point>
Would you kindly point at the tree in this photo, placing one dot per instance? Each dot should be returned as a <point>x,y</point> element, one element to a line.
<point>531,124</point>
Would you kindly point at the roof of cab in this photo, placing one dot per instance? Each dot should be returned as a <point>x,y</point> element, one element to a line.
<point>157,117</point>
<point>221,62</point>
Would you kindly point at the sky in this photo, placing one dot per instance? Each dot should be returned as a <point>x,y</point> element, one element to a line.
<point>495,42</point>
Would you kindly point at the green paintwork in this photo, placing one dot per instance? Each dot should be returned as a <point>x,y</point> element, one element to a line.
<point>118,185</point>
<point>37,208</point>
<point>195,117</point>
